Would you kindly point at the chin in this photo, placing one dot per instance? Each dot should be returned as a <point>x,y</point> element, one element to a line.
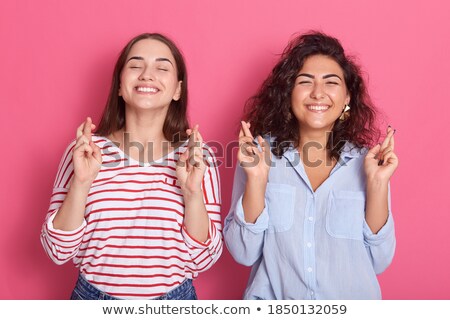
<point>320,126</point>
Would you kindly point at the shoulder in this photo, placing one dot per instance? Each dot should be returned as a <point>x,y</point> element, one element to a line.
<point>101,141</point>
<point>350,150</point>
<point>106,146</point>
<point>209,150</point>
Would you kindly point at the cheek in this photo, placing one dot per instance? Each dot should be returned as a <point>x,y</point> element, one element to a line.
<point>298,96</point>
<point>126,76</point>
<point>173,84</point>
<point>337,94</point>
<point>125,80</point>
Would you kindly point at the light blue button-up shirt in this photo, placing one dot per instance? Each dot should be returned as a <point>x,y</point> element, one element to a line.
<point>306,244</point>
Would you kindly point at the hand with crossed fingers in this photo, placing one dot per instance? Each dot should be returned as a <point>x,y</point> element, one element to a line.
<point>191,166</point>
<point>381,161</point>
<point>87,157</point>
<point>255,163</point>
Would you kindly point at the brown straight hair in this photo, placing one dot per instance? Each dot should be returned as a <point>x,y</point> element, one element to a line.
<point>176,122</point>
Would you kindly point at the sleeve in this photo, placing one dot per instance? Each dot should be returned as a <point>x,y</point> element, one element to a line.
<point>204,255</point>
<point>381,246</point>
<point>61,246</point>
<point>244,240</point>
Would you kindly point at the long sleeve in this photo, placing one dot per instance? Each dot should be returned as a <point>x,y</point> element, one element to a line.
<point>381,246</point>
<point>204,255</point>
<point>61,246</point>
<point>244,240</point>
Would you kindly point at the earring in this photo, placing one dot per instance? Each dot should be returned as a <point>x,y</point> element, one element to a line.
<point>345,113</point>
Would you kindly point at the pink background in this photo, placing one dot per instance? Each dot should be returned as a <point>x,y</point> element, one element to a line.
<point>56,63</point>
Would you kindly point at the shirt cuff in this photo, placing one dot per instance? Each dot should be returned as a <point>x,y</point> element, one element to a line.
<point>373,239</point>
<point>192,242</point>
<point>67,234</point>
<point>262,222</point>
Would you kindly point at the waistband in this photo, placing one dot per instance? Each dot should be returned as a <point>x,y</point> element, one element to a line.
<point>87,291</point>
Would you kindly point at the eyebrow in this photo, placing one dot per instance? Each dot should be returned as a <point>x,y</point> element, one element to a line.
<point>164,59</point>
<point>157,59</point>
<point>324,77</point>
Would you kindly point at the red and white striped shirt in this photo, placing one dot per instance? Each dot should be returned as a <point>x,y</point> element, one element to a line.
<point>132,243</point>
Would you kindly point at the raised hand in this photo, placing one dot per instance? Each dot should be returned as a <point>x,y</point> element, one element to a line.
<point>255,163</point>
<point>87,157</point>
<point>381,161</point>
<point>191,166</point>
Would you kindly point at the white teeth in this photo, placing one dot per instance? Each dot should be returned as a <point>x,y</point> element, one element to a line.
<point>145,89</point>
<point>318,108</point>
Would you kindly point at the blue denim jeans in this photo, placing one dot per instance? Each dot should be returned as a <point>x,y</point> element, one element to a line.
<point>86,291</point>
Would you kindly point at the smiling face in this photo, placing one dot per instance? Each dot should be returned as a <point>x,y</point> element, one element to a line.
<point>149,77</point>
<point>319,93</point>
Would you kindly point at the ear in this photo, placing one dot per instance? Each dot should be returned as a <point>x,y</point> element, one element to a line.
<point>177,94</point>
<point>119,92</point>
<point>347,99</point>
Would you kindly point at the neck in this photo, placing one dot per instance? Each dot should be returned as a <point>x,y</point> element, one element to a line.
<point>318,138</point>
<point>313,144</point>
<point>142,137</point>
<point>145,126</point>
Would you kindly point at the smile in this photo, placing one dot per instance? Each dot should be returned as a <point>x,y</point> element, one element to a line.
<point>318,108</point>
<point>147,89</point>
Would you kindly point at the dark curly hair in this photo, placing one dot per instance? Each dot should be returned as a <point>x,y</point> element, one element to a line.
<point>270,112</point>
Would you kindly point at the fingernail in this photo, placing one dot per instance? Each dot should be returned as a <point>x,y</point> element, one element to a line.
<point>389,125</point>
<point>380,163</point>
<point>395,130</point>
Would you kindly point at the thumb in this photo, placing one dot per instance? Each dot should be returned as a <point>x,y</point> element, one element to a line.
<point>182,160</point>
<point>373,153</point>
<point>97,153</point>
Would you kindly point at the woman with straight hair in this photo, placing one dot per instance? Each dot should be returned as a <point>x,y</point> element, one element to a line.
<point>311,209</point>
<point>136,205</point>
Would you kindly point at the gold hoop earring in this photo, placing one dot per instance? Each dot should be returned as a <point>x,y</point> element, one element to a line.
<point>345,113</point>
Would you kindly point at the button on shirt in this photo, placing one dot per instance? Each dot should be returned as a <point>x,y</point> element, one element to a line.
<point>306,244</point>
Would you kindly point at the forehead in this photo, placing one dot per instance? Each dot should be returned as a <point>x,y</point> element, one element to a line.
<point>150,48</point>
<point>320,64</point>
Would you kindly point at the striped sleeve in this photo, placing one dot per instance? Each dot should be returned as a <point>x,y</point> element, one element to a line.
<point>61,246</point>
<point>204,255</point>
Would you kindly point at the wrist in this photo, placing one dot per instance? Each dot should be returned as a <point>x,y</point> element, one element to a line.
<point>81,186</point>
<point>257,180</point>
<point>189,193</point>
<point>376,184</point>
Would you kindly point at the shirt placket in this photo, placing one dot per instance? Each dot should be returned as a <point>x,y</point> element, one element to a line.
<point>309,245</point>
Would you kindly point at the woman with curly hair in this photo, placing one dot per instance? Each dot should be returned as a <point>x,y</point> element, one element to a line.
<point>311,206</point>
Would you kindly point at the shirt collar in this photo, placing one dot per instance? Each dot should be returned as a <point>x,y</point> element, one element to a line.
<point>349,151</point>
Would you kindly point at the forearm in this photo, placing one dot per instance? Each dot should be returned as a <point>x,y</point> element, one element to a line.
<point>71,214</point>
<point>244,241</point>
<point>253,199</point>
<point>377,209</point>
<point>196,220</point>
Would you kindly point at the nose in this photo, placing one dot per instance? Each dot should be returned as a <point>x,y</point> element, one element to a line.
<point>146,74</point>
<point>317,91</point>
